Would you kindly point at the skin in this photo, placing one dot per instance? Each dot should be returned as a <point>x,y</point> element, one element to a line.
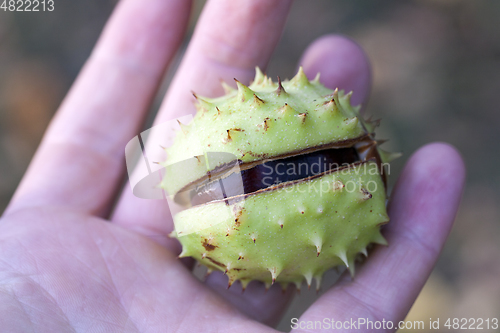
<point>70,262</point>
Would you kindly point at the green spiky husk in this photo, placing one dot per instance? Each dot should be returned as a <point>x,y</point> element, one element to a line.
<point>277,233</point>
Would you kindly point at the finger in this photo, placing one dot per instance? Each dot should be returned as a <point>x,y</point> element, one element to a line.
<point>80,160</point>
<point>231,38</point>
<point>342,63</point>
<point>422,210</point>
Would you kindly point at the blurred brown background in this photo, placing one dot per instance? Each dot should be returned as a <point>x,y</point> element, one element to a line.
<point>436,67</point>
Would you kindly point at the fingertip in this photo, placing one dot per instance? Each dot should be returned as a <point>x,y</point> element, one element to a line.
<point>342,63</point>
<point>447,152</point>
<point>438,160</point>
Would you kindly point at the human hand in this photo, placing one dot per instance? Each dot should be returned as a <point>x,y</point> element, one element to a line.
<point>64,267</point>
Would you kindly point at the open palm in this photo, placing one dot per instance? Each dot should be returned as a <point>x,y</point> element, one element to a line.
<point>70,262</point>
